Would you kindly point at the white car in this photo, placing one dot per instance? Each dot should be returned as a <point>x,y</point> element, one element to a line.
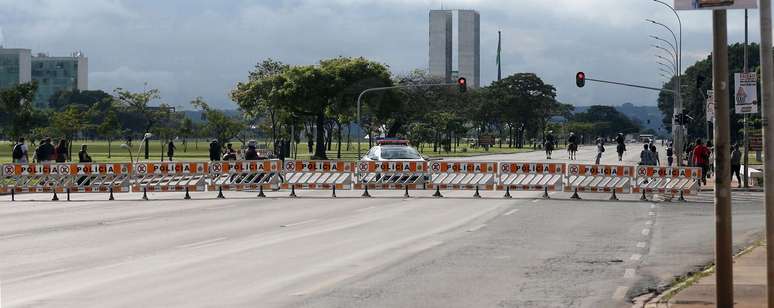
<point>387,150</point>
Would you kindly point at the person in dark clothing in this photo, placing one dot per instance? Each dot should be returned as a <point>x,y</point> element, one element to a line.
<point>621,147</point>
<point>572,148</point>
<point>214,150</point>
<point>670,152</point>
<point>655,154</point>
<point>83,156</point>
<point>230,153</point>
<point>736,164</point>
<point>171,149</point>
<point>251,153</point>
<point>45,151</point>
<point>549,142</point>
<point>61,151</point>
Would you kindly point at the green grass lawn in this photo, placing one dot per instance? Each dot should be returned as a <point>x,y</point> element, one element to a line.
<point>198,151</point>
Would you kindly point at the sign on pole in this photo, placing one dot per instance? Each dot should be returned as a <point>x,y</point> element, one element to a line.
<point>746,92</point>
<point>715,4</point>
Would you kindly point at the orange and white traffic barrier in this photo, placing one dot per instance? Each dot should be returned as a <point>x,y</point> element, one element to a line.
<point>245,175</point>
<point>170,176</point>
<point>317,174</point>
<point>527,176</point>
<point>599,178</point>
<point>35,178</point>
<point>462,175</point>
<point>100,177</point>
<point>391,175</point>
<point>668,180</point>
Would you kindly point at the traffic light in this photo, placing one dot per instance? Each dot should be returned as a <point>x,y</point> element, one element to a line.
<point>580,79</point>
<point>463,84</point>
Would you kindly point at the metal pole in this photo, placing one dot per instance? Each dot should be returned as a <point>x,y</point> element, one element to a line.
<point>723,249</point>
<point>767,90</point>
<point>746,135</point>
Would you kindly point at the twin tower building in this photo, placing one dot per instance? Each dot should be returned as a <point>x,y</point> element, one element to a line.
<point>468,46</point>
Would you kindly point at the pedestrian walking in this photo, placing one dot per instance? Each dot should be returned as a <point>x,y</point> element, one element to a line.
<point>646,156</point>
<point>572,148</point>
<point>670,152</point>
<point>251,153</point>
<point>83,155</point>
<point>736,164</point>
<point>214,150</point>
<point>600,150</point>
<point>230,153</point>
<point>701,156</point>
<point>549,143</point>
<point>19,153</point>
<point>656,159</point>
<point>621,147</point>
<point>60,152</point>
<point>171,149</point>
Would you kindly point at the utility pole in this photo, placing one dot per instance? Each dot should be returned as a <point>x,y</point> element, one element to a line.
<point>723,248</point>
<point>767,112</point>
<point>746,134</point>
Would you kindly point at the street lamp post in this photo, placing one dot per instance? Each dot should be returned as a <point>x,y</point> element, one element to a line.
<point>677,130</point>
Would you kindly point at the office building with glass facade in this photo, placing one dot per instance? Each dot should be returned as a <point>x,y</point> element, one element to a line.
<point>52,74</point>
<point>14,67</point>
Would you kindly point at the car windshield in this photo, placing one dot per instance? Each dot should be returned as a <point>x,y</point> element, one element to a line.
<point>400,153</point>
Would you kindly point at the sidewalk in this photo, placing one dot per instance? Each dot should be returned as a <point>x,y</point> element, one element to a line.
<point>749,285</point>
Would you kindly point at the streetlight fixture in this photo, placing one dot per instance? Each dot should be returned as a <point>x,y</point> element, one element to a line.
<point>671,69</point>
<point>128,149</point>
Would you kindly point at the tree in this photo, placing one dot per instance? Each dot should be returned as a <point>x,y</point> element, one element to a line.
<point>606,121</point>
<point>16,110</point>
<point>187,130</point>
<point>138,103</point>
<point>218,125</point>
<point>109,129</point>
<point>67,124</point>
<point>65,98</point>
<point>258,96</point>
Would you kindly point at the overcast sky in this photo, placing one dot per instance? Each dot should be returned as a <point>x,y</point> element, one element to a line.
<point>189,48</point>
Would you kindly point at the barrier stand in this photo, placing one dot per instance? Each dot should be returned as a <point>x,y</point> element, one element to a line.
<point>437,193</point>
<point>246,175</point>
<point>463,176</point>
<point>390,175</point>
<point>406,194</point>
<point>507,193</point>
<point>293,191</point>
<point>318,174</point>
<point>598,179</point>
<point>170,177</point>
<point>220,193</point>
<point>187,195</point>
<point>575,195</point>
<point>13,195</point>
<point>35,178</point>
<point>111,198</point>
<point>100,178</point>
<point>365,193</point>
<point>643,197</point>
<point>55,198</point>
<point>613,197</point>
<point>144,194</point>
<point>68,193</point>
<point>333,195</point>
<point>260,192</point>
<point>668,180</point>
<point>527,176</point>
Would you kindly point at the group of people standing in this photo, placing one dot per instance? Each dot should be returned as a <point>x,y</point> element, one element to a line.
<point>46,152</point>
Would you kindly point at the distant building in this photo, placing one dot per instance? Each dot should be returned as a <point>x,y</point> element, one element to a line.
<point>53,74</point>
<point>468,46</point>
<point>441,44</point>
<point>14,67</point>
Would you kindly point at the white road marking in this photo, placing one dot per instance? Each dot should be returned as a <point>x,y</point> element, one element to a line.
<point>474,229</point>
<point>299,223</point>
<point>202,243</point>
<point>10,236</point>
<point>649,223</point>
<point>629,273</point>
<point>651,213</point>
<point>36,275</point>
<point>365,209</point>
<point>636,257</point>
<point>535,201</point>
<point>645,232</point>
<point>221,207</point>
<point>653,206</point>
<point>119,221</point>
<point>509,213</point>
<point>642,244</point>
<point>620,293</point>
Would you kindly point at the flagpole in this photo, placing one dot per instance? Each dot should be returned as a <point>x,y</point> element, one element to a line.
<point>499,60</point>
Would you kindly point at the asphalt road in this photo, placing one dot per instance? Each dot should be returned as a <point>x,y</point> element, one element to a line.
<point>390,251</point>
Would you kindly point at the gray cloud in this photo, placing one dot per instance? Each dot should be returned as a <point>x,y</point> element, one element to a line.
<point>202,48</point>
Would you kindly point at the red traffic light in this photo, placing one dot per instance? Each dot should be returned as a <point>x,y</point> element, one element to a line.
<point>463,83</point>
<point>580,79</point>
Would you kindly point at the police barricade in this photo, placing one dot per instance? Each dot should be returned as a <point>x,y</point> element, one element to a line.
<point>391,175</point>
<point>667,180</point>
<point>35,178</point>
<point>100,177</point>
<point>317,174</point>
<point>462,176</point>
<point>526,176</point>
<point>170,177</point>
<point>244,175</point>
<point>599,179</point>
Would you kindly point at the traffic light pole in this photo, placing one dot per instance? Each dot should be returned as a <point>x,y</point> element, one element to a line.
<point>360,98</point>
<point>631,85</point>
<point>767,94</point>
